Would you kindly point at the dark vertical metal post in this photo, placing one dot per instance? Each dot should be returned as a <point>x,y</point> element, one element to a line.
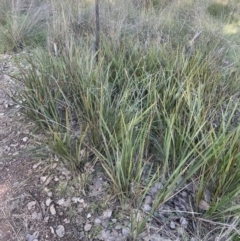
<point>97,29</point>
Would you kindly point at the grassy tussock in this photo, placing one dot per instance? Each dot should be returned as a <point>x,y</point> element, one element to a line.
<point>22,24</point>
<point>159,105</point>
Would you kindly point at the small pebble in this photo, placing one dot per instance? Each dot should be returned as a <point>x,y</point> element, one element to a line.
<point>60,231</point>
<point>153,190</point>
<point>97,221</point>
<point>172,225</point>
<point>52,210</point>
<point>24,139</point>
<point>49,194</point>
<point>61,202</point>
<point>107,213</point>
<point>146,208</point>
<point>203,205</point>
<point>36,215</point>
<point>52,230</point>
<point>114,220</point>
<point>118,227</point>
<point>87,227</point>
<point>66,220</point>
<point>56,179</point>
<point>48,201</point>
<point>32,237</point>
<point>183,222</point>
<point>184,194</point>
<point>148,200</point>
<point>77,200</point>
<point>30,205</point>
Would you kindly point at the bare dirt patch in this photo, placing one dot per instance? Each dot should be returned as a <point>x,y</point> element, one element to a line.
<point>14,169</point>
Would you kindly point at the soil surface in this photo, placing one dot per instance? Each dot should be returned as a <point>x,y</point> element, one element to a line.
<point>12,169</point>
<point>15,168</point>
